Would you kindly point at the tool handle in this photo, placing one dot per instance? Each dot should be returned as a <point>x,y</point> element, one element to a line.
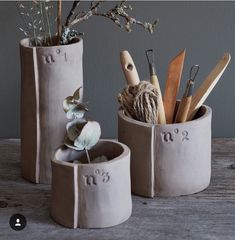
<point>208,84</point>
<point>161,111</point>
<point>183,109</point>
<point>129,68</point>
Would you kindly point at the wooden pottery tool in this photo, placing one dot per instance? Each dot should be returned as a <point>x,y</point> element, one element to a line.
<point>208,85</point>
<point>172,85</point>
<point>129,68</point>
<point>185,102</point>
<point>155,82</point>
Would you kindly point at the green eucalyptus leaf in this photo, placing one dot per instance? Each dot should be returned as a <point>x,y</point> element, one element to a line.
<point>74,128</point>
<point>76,94</point>
<point>68,143</point>
<point>68,103</point>
<point>76,111</point>
<point>89,136</point>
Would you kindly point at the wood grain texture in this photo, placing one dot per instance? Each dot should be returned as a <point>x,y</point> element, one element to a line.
<point>203,216</point>
<point>161,111</point>
<point>208,84</point>
<point>172,85</point>
<point>182,112</point>
<point>129,69</point>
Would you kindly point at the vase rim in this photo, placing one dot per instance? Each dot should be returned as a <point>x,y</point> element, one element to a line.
<point>25,43</point>
<point>125,152</point>
<point>206,112</point>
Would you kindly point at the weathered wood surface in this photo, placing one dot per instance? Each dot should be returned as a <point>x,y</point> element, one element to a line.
<point>206,215</point>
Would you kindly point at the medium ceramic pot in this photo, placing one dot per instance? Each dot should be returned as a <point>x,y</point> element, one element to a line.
<point>48,76</point>
<point>168,159</point>
<point>95,195</point>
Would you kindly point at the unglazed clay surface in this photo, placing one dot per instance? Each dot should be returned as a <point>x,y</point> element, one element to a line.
<point>48,76</point>
<point>168,159</point>
<point>91,195</point>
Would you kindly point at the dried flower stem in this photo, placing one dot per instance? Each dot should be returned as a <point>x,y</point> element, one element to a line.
<point>43,21</point>
<point>48,24</point>
<point>88,156</point>
<point>59,26</point>
<point>22,15</point>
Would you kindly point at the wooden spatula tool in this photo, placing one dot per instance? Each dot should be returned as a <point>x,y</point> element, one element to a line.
<point>172,85</point>
<point>208,85</point>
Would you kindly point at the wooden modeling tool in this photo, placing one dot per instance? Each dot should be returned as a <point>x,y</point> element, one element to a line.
<point>185,102</point>
<point>155,82</point>
<point>129,68</point>
<point>172,85</point>
<point>208,85</point>
<point>139,99</point>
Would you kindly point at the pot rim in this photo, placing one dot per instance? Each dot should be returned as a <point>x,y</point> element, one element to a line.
<point>121,114</point>
<point>125,152</point>
<point>25,43</point>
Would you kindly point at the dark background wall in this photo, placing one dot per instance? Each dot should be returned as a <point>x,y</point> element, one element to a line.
<point>205,29</point>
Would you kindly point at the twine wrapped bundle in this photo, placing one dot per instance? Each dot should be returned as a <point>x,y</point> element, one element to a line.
<point>140,102</point>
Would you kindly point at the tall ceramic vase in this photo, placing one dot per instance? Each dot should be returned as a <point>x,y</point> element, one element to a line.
<point>48,75</point>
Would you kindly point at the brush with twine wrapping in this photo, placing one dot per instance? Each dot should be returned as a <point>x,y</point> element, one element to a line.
<point>139,99</point>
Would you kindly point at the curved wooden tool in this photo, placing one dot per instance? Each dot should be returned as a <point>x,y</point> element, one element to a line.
<point>172,85</point>
<point>208,85</point>
<point>129,68</point>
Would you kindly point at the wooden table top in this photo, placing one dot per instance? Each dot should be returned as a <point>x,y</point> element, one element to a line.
<point>207,215</point>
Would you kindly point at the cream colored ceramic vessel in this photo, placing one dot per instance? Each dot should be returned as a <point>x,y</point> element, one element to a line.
<point>48,76</point>
<point>91,195</point>
<point>169,159</point>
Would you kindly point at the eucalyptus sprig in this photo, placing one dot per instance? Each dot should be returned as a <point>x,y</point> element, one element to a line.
<point>81,134</point>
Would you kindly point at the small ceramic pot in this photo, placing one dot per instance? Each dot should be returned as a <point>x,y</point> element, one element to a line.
<point>48,76</point>
<point>95,195</point>
<point>168,159</point>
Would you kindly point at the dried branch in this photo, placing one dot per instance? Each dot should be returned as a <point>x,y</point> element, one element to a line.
<point>37,20</point>
<point>72,12</point>
<point>95,5</point>
<point>116,14</point>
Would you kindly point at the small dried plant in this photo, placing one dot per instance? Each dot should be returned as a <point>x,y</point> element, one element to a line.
<point>38,20</point>
<point>36,16</point>
<point>81,134</point>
